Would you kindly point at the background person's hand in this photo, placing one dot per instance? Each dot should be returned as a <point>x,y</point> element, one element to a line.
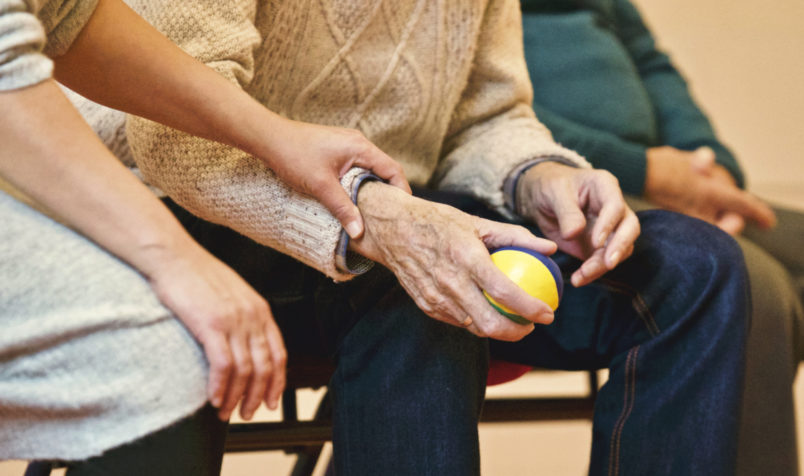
<point>694,184</point>
<point>440,256</point>
<point>312,158</point>
<point>583,211</point>
<point>234,325</point>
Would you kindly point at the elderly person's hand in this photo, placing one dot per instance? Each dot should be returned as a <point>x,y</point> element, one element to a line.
<point>440,256</point>
<point>694,184</point>
<point>583,211</point>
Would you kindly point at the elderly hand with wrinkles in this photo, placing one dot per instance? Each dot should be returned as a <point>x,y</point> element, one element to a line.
<point>440,256</point>
<point>583,211</point>
<point>691,182</point>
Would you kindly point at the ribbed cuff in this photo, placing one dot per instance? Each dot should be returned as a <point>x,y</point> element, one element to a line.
<point>346,260</point>
<point>512,181</point>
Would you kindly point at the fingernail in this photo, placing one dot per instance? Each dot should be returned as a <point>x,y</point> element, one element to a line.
<point>614,258</point>
<point>353,229</point>
<point>248,415</point>
<point>601,239</point>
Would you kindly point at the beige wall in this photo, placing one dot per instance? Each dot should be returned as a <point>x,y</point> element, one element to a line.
<point>745,62</point>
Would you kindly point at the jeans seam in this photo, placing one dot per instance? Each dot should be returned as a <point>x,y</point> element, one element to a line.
<point>639,304</point>
<point>629,397</point>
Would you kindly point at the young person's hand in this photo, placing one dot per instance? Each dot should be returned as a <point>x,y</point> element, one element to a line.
<point>232,322</point>
<point>68,171</point>
<point>312,158</point>
<point>174,89</point>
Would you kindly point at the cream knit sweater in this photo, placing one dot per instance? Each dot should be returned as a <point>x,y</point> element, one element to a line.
<point>440,85</point>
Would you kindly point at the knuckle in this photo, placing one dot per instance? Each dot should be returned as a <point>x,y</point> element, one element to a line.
<point>262,369</point>
<point>223,364</point>
<point>489,327</point>
<point>430,295</point>
<point>245,369</point>
<point>218,322</point>
<point>281,358</point>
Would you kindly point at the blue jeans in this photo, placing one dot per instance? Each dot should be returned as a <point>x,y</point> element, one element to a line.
<point>670,324</point>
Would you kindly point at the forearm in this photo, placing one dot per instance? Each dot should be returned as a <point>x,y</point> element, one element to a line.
<point>682,124</point>
<point>169,86</point>
<point>226,186</point>
<point>54,157</point>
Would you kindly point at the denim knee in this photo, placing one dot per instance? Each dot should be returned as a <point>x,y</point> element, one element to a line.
<point>697,261</point>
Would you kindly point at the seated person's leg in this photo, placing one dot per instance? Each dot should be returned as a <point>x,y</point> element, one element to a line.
<point>768,427</point>
<point>670,323</point>
<point>784,243</point>
<point>407,389</point>
<point>89,358</point>
<point>191,446</point>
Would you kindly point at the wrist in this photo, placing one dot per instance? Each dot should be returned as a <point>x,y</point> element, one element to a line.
<point>656,175</point>
<point>155,255</point>
<point>528,184</point>
<point>383,208</point>
<point>263,134</point>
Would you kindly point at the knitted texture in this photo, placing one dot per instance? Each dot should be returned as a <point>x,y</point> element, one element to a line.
<point>89,358</point>
<point>441,86</point>
<point>607,90</point>
<point>22,37</point>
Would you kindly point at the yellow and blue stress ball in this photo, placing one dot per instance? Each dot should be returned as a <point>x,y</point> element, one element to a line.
<point>534,272</point>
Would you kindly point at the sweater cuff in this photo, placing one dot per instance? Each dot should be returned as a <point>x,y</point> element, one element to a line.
<point>22,38</point>
<point>348,261</point>
<point>512,181</point>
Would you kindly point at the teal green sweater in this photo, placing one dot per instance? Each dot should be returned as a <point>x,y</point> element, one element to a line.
<point>604,89</point>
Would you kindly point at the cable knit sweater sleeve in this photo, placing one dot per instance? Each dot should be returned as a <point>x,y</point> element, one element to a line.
<point>494,128</point>
<point>219,183</point>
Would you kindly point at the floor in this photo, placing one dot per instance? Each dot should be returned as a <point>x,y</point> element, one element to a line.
<point>556,449</point>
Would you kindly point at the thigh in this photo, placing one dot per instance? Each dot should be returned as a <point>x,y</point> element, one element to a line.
<point>191,446</point>
<point>89,358</point>
<point>767,428</point>
<point>671,270</point>
<point>783,242</point>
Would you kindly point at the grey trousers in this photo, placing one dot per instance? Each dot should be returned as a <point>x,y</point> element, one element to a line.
<point>775,263</point>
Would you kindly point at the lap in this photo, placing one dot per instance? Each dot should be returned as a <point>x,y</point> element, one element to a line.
<point>89,358</point>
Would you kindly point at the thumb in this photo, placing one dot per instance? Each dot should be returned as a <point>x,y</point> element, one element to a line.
<point>384,167</point>
<point>571,219</point>
<point>703,158</point>
<point>337,201</point>
<point>731,223</point>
